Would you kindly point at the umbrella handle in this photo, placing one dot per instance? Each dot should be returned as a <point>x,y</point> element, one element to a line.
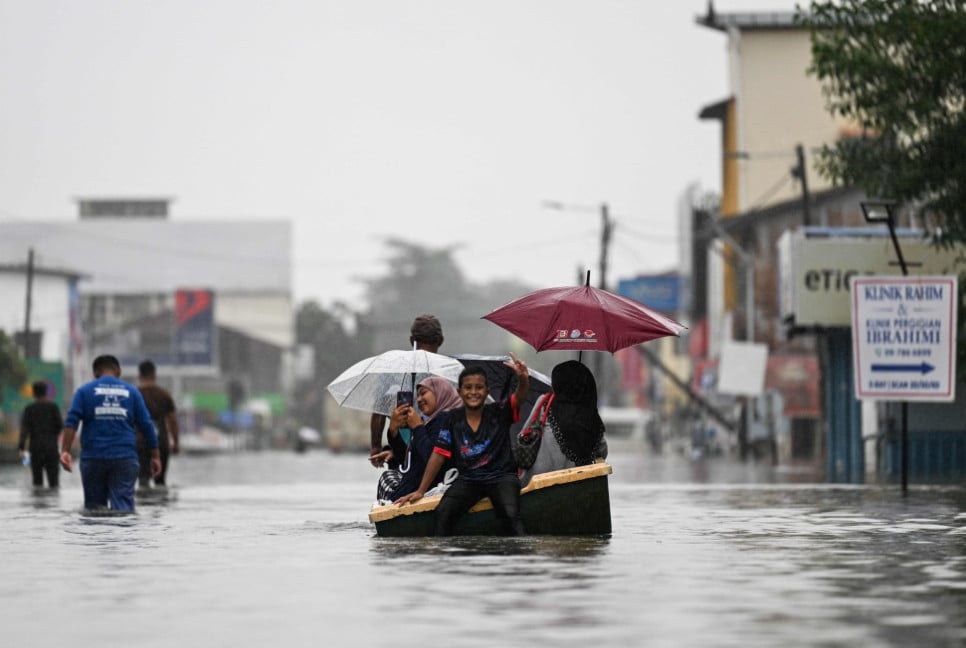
<point>404,468</point>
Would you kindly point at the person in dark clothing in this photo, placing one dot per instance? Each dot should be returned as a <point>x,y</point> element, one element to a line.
<point>425,334</point>
<point>477,438</point>
<point>41,423</point>
<point>165,418</point>
<point>574,432</point>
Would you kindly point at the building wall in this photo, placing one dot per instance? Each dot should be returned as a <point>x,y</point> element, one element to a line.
<point>50,311</point>
<point>778,105</point>
<point>265,316</point>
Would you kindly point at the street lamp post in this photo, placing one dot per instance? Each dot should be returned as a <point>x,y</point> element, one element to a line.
<point>881,211</point>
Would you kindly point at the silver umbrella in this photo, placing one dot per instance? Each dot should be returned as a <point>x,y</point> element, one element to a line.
<point>371,385</point>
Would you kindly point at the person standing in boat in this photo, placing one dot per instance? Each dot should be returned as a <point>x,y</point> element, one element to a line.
<point>427,334</point>
<point>434,395</point>
<point>574,432</point>
<point>477,438</point>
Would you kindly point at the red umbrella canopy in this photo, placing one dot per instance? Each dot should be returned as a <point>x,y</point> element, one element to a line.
<point>582,318</point>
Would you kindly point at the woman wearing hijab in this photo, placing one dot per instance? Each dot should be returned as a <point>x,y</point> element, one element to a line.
<point>434,396</point>
<point>574,433</point>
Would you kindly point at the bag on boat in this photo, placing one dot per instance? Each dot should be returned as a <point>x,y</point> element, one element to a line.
<point>528,439</point>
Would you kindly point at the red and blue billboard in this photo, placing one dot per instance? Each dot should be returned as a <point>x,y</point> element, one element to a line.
<point>194,333</point>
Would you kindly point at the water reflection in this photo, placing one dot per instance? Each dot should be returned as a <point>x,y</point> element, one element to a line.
<point>44,498</point>
<point>553,547</point>
<point>276,549</point>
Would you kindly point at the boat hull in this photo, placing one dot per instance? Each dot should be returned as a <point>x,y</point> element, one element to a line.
<point>573,501</point>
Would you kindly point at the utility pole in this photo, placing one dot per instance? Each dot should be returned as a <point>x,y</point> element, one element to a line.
<point>800,173</point>
<point>606,228</point>
<point>747,264</point>
<point>26,318</point>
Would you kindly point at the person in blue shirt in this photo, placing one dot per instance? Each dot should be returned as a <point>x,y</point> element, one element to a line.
<point>477,438</point>
<point>109,412</point>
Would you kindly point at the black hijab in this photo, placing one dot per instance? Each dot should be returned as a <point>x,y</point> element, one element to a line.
<point>573,416</point>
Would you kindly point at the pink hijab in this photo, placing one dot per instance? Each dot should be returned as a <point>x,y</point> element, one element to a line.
<point>446,396</point>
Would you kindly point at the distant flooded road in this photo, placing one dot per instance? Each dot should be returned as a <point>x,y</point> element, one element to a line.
<point>274,549</point>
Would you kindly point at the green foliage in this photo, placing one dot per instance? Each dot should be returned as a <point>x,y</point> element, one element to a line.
<point>334,345</point>
<point>425,280</point>
<point>419,280</point>
<point>960,324</point>
<point>897,69</point>
<point>13,370</point>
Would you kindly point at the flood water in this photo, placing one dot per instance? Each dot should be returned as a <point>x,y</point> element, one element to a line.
<point>275,549</point>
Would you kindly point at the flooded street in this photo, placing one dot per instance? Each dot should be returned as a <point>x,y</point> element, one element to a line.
<point>275,549</point>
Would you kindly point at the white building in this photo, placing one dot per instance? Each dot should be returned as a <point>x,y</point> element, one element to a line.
<point>131,258</point>
<point>52,292</point>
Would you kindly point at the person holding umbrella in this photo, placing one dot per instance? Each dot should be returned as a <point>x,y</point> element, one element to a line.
<point>425,334</point>
<point>477,438</point>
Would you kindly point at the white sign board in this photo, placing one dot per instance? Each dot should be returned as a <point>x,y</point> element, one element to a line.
<point>904,337</point>
<point>815,271</point>
<point>742,368</point>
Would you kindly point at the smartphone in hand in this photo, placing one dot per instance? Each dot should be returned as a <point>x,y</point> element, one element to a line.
<point>404,398</point>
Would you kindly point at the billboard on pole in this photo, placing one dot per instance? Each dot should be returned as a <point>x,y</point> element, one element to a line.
<point>194,338</point>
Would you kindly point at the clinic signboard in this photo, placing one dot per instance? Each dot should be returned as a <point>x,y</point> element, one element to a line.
<point>904,337</point>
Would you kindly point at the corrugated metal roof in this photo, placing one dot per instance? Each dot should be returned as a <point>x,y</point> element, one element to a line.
<point>22,269</point>
<point>149,256</point>
<point>748,21</point>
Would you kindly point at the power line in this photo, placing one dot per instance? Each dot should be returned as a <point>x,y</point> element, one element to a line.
<point>650,238</point>
<point>774,189</point>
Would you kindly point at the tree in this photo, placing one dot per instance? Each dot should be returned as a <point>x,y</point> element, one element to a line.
<point>334,348</point>
<point>13,371</point>
<point>897,69</point>
<point>428,280</point>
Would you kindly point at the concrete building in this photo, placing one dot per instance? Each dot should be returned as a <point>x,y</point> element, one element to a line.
<point>131,260</point>
<point>773,107</point>
<point>772,120</point>
<point>53,297</point>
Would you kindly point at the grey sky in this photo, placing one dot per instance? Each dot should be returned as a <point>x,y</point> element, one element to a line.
<point>443,122</point>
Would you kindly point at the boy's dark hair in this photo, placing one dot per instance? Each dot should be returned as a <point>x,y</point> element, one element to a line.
<point>103,362</point>
<point>147,369</point>
<point>473,371</point>
<point>39,388</point>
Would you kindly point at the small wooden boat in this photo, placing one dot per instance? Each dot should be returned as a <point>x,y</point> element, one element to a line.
<point>573,501</point>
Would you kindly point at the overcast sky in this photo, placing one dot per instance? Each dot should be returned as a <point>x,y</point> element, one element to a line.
<point>445,122</point>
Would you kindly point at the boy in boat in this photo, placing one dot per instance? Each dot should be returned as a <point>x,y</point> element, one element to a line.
<point>477,438</point>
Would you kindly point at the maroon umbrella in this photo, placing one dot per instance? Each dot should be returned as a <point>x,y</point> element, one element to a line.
<point>581,318</point>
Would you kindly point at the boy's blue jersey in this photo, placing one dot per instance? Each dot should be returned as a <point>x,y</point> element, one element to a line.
<point>485,454</point>
<point>109,410</point>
